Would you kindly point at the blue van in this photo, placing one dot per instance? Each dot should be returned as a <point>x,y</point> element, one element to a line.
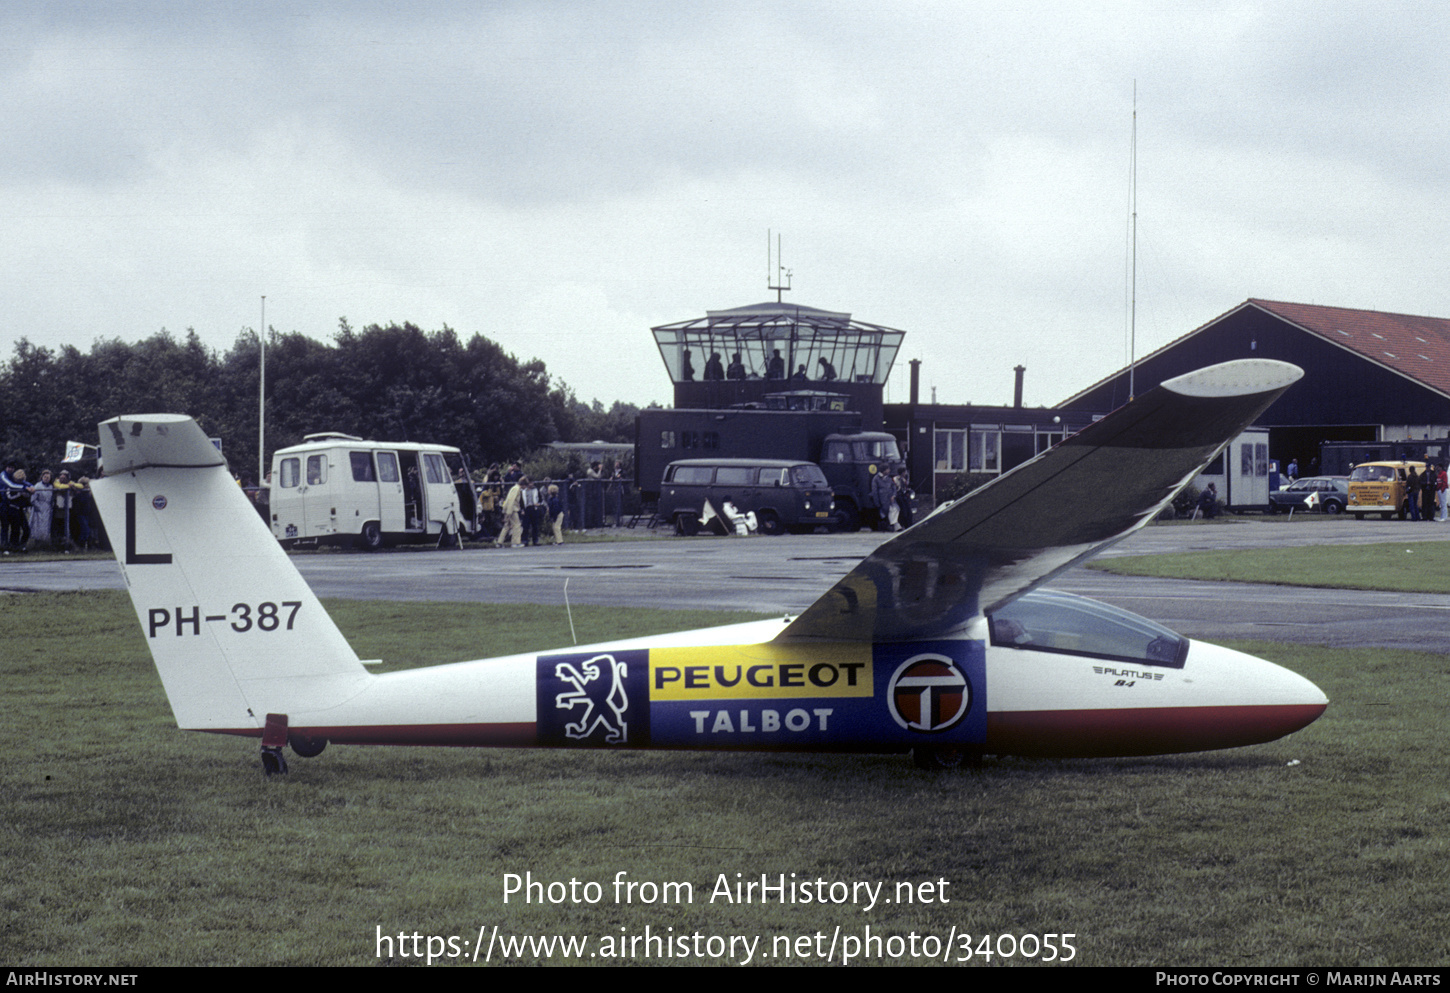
<point>784,495</point>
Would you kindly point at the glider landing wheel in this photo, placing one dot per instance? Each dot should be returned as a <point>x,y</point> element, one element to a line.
<point>308,748</point>
<point>945,757</point>
<point>273,762</point>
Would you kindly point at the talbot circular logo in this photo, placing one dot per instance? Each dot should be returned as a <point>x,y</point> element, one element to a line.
<point>929,694</point>
<point>159,502</point>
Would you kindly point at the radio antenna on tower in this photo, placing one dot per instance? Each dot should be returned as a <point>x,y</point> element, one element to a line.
<point>1133,248</point>
<point>777,277</point>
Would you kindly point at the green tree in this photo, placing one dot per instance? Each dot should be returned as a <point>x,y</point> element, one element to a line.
<point>394,382</point>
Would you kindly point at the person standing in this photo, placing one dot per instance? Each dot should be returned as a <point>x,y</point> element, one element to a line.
<point>488,494</point>
<point>14,510</point>
<point>883,494</point>
<point>42,500</point>
<point>556,513</point>
<point>533,510</point>
<point>512,532</point>
<point>81,510</point>
<point>903,499</point>
<point>615,495</point>
<point>60,523</point>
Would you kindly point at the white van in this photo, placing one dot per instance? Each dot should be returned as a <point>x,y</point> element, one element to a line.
<point>337,488</point>
<point>1240,473</point>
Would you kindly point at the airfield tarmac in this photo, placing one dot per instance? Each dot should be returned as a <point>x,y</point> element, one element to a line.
<point>785,574</point>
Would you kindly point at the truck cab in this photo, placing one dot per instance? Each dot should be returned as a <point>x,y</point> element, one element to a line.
<point>851,461</point>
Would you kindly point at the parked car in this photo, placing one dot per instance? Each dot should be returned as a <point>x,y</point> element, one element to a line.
<point>783,495</point>
<point>1333,494</point>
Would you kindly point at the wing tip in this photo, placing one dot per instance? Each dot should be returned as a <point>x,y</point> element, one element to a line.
<point>1241,377</point>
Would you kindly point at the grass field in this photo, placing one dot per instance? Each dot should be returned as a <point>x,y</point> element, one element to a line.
<point>128,842</point>
<point>1408,566</point>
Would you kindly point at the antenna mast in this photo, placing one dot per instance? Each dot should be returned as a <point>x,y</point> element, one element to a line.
<point>778,277</point>
<point>1133,281</point>
<point>262,397</point>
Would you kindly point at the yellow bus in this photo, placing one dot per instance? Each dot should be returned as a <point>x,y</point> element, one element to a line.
<point>1379,488</point>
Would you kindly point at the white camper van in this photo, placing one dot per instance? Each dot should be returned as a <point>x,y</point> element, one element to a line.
<point>1240,473</point>
<point>337,488</point>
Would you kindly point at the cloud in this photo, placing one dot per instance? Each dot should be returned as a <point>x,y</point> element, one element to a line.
<point>563,176</point>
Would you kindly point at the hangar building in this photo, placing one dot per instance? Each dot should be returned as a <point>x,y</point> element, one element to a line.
<point>1368,375</point>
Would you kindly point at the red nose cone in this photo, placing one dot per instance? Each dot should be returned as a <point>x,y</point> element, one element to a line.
<point>1148,731</point>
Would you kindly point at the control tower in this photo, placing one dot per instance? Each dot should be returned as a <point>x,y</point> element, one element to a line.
<point>731,357</point>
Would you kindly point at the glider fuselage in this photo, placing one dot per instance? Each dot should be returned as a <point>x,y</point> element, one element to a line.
<point>942,641</point>
<point>734,688</point>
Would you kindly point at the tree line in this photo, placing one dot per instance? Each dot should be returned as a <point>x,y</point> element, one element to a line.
<point>394,383</point>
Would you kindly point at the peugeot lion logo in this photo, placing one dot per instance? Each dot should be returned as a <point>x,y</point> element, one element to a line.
<point>599,690</point>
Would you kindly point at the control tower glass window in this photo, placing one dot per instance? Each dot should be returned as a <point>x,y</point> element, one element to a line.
<point>778,342</point>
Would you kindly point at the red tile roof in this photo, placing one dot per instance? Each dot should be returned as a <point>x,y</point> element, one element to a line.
<point>1415,347</point>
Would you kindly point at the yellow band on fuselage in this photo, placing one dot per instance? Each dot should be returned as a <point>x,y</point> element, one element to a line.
<point>755,672</point>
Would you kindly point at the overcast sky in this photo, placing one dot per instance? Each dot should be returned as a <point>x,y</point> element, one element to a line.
<point>561,176</point>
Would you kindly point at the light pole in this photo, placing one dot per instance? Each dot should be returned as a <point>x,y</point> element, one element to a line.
<point>262,397</point>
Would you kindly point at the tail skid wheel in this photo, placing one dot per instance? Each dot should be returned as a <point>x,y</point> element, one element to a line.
<point>273,762</point>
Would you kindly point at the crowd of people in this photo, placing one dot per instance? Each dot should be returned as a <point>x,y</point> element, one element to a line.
<point>50,511</point>
<point>716,370</point>
<point>1425,493</point>
<point>515,510</point>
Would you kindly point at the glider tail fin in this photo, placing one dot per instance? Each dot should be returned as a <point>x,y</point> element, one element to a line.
<point>234,629</point>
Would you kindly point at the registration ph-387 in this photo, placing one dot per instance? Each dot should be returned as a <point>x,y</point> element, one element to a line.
<point>242,617</point>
